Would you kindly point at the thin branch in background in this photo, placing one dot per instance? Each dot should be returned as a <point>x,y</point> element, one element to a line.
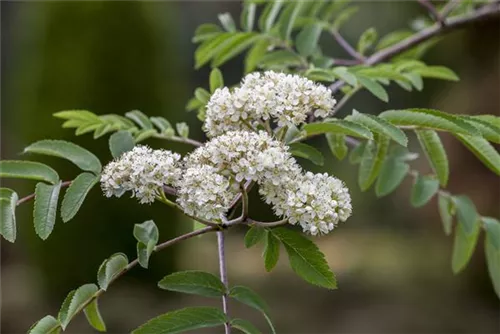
<point>346,62</point>
<point>267,224</point>
<point>223,276</point>
<point>346,46</point>
<point>433,11</point>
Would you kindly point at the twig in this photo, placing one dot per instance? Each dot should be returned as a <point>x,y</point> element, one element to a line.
<point>267,224</point>
<point>223,277</point>
<point>31,196</point>
<point>433,11</point>
<point>346,46</point>
<point>448,8</point>
<point>346,62</point>
<point>180,140</point>
<point>244,202</point>
<point>454,23</point>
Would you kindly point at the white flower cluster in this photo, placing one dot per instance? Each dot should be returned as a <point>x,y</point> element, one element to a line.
<point>143,171</point>
<point>315,201</point>
<point>282,98</point>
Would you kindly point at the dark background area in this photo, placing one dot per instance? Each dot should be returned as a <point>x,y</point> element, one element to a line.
<point>392,261</point>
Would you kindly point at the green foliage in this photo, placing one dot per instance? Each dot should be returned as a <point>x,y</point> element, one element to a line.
<point>336,143</point>
<point>446,211</point>
<point>76,193</point>
<point>8,203</point>
<point>306,259</point>
<point>186,319</point>
<point>371,163</point>
<point>193,282</point>
<point>307,39</point>
<point>45,208</point>
<point>434,150</point>
<point>271,251</point>
<point>463,246</point>
<point>75,302</point>
<point>424,188</point>
<point>336,126</point>
<point>28,170</point>
<point>366,40</point>
<point>94,317</point>
<point>248,297</point>
<point>147,236</point>
<point>120,142</point>
<point>380,126</point>
<point>254,235</point>
<point>46,325</point>
<point>81,157</point>
<point>466,213</point>
<point>483,150</point>
<point>392,172</point>
<point>492,250</point>
<point>110,269</point>
<point>245,326</point>
<point>216,80</point>
<point>307,152</point>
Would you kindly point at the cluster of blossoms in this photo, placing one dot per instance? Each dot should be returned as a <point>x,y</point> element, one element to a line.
<point>282,98</point>
<point>208,179</point>
<point>143,171</point>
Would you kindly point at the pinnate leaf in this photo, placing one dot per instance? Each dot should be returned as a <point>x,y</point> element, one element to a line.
<point>28,170</point>
<point>380,126</point>
<point>193,282</point>
<point>424,188</point>
<point>76,193</point>
<point>216,79</point>
<point>336,143</point>
<point>436,154</point>
<point>8,203</point>
<point>120,142</point>
<point>45,208</point>
<point>46,325</point>
<point>94,317</point>
<point>392,173</point>
<point>110,269</point>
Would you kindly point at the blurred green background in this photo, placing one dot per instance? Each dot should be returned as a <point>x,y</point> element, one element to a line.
<point>392,261</point>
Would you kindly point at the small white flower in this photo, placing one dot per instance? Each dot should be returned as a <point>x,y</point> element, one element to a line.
<point>143,171</point>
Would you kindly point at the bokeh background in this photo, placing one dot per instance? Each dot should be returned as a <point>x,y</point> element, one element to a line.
<point>392,261</point>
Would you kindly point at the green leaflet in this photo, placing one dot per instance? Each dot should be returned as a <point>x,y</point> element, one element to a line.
<point>486,127</point>
<point>46,325</point>
<point>492,250</point>
<point>206,31</point>
<point>189,318</point>
<point>81,157</point>
<point>208,49</point>
<point>234,46</point>
<point>430,119</point>
<point>392,173</point>
<point>268,17</point>
<point>466,212</point>
<point>463,246</point>
<point>424,188</point>
<point>483,150</point>
<point>288,18</point>
<point>307,152</point>
<point>140,119</point>
<point>227,22</point>
<point>254,235</point>
<point>373,87</point>
<point>110,269</point>
<point>307,39</point>
<point>254,55</point>
<point>147,236</point>
<point>94,316</point>
<point>366,40</point>
<point>76,193</point>
<point>8,203</point>
<point>271,252</point>
<point>45,208</point>
<point>336,126</point>
<point>120,142</point>
<point>245,326</point>
<point>216,80</point>
<point>446,208</point>
<point>248,16</point>
<point>279,58</point>
<point>193,282</point>
<point>380,126</point>
<point>371,164</point>
<point>306,259</point>
<point>248,297</point>
<point>336,143</point>
<point>74,302</point>
<point>162,124</point>
<point>436,72</point>
<point>28,170</point>
<point>434,150</point>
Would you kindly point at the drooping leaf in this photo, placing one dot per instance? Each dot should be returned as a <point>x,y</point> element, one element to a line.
<point>307,152</point>
<point>45,208</point>
<point>486,128</point>
<point>139,118</point>
<point>81,157</point>
<point>8,203</point>
<point>371,164</point>
<point>337,145</point>
<point>46,325</point>
<point>306,259</point>
<point>483,150</point>
<point>77,300</point>
<point>190,318</point>
<point>110,269</point>
<point>373,87</point>
<point>249,297</point>
<point>147,236</point>
<point>271,252</point>
<point>424,188</point>
<point>216,79</point>
<point>446,207</point>
<point>120,142</point>
<point>392,173</point>
<point>94,317</point>
<point>193,282</point>
<point>307,39</point>
<point>430,119</point>
<point>492,250</point>
<point>380,126</point>
<point>28,170</point>
<point>436,72</point>
<point>338,126</point>
<point>245,326</point>
<point>254,235</point>
<point>466,212</point>
<point>76,193</point>
<point>436,154</point>
<point>463,246</point>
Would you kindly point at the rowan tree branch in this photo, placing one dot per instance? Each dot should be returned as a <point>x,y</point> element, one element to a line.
<point>31,196</point>
<point>223,277</point>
